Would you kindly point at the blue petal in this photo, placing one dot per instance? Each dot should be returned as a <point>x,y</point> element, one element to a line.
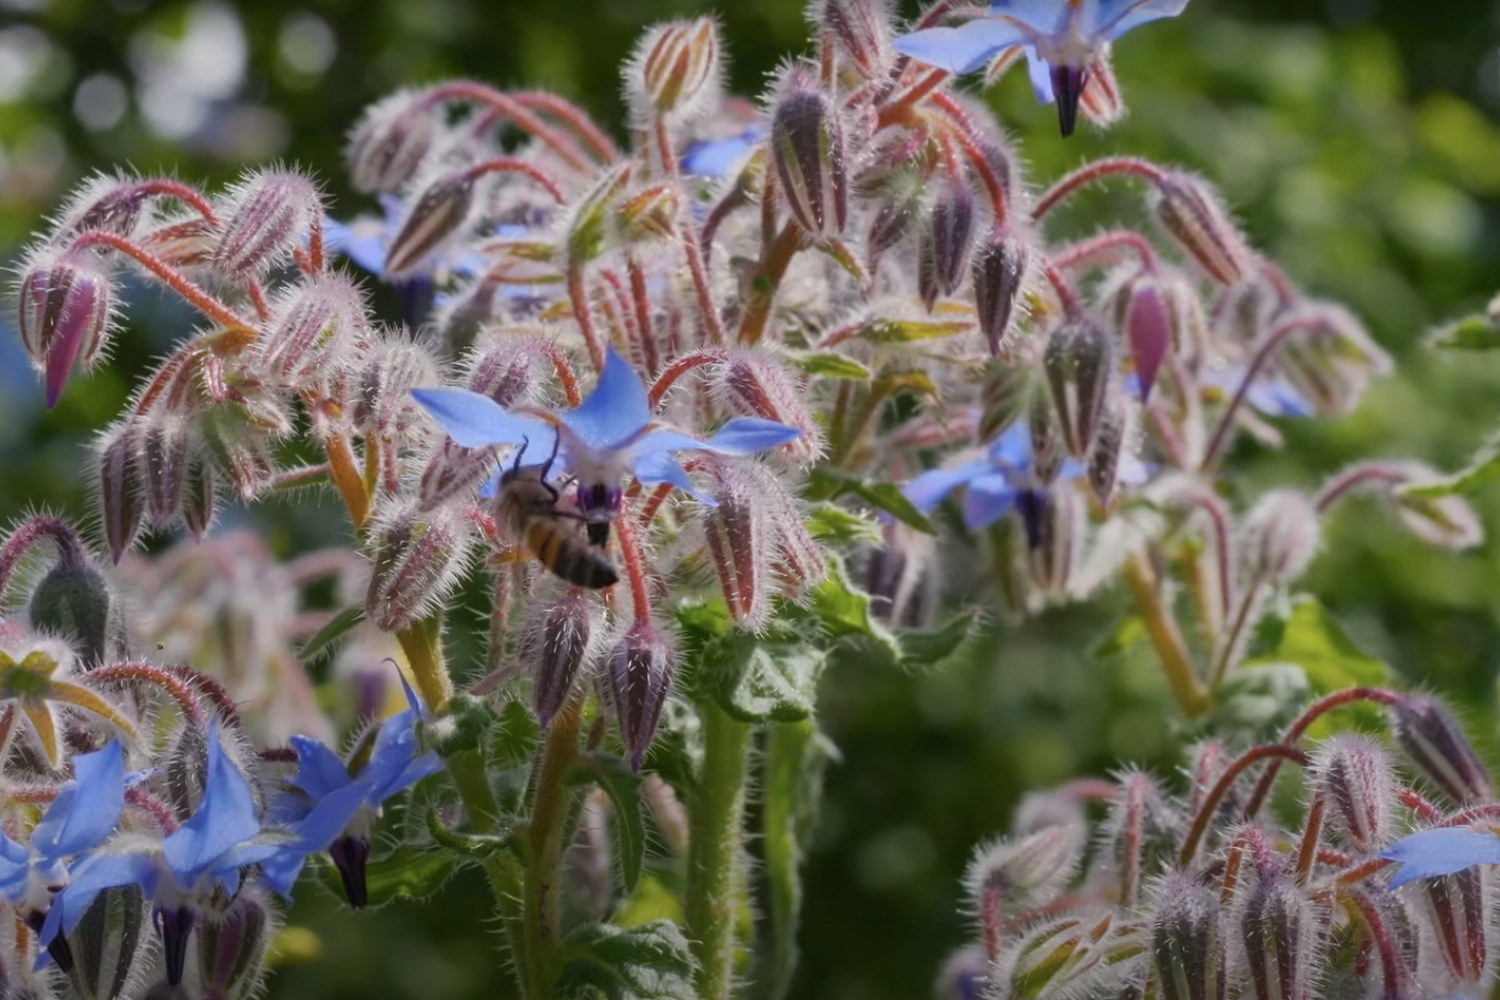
<point>87,810</point>
<point>1441,851</point>
<point>329,818</point>
<point>363,245</point>
<point>319,769</point>
<point>281,869</point>
<point>474,421</point>
<point>990,498</point>
<point>15,868</point>
<point>749,435</point>
<point>1278,398</point>
<point>928,490</point>
<point>1012,448</point>
<point>615,411</point>
<point>1040,71</point>
<point>660,467</point>
<point>224,818</point>
<point>965,48</point>
<point>1113,18</point>
<point>226,866</point>
<point>1045,17</point>
<point>716,157</point>
<point>89,878</point>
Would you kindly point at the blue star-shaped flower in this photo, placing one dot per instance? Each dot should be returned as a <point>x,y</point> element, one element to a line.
<point>1441,851</point>
<point>717,157</point>
<point>330,809</point>
<point>1060,38</point>
<point>609,435</point>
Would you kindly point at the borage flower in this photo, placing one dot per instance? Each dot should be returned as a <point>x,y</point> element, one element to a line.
<point>1060,38</point>
<point>608,436</point>
<point>333,806</point>
<point>994,483</point>
<point>1441,851</point>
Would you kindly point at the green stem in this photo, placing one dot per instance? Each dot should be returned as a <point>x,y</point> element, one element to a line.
<point>506,882</point>
<point>790,786</point>
<point>422,642</point>
<point>546,837</point>
<point>1186,687</point>
<point>714,850</point>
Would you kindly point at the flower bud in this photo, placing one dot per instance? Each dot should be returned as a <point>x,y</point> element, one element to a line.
<point>964,975</point>
<point>232,948</point>
<point>311,330</point>
<point>1046,439</point>
<point>1244,312</point>
<point>104,203</point>
<point>267,216</point>
<point>1000,272</point>
<point>947,236</point>
<point>1189,211</point>
<point>1457,908</point>
<point>415,561</point>
<point>1280,537</point>
<point>900,576</point>
<point>753,384</point>
<point>648,215</point>
<point>198,499</point>
<point>1447,522</point>
<point>74,601</point>
<point>1004,393</point>
<point>807,145</point>
<point>440,211</point>
<point>1100,101</point>
<point>106,947</point>
<point>1354,777</point>
<point>640,672</point>
<point>183,241</point>
<point>239,450</point>
<point>1148,327</point>
<point>1018,873</point>
<point>389,144</point>
<point>1432,742</point>
<point>1330,357</point>
<point>1078,362</point>
<point>1104,457</point>
<point>898,209</point>
<point>383,404</point>
<point>555,646</point>
<point>738,536</point>
<point>166,452</point>
<point>1187,942</point>
<point>120,501</point>
<point>65,304</point>
<point>861,29</point>
<point>1060,518</point>
<point>675,65</point>
<point>1282,933</point>
<point>1059,958</point>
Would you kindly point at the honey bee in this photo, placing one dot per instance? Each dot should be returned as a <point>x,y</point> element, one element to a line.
<point>530,504</point>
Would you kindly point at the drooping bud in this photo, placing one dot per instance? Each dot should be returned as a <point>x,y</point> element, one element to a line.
<point>1058,547</point>
<point>1062,957</point>
<point>675,65</point>
<point>1148,327</point>
<point>1000,271</point>
<point>312,327</point>
<point>106,944</point>
<point>121,504</point>
<point>555,646</point>
<point>1189,211</point>
<point>1433,742</point>
<point>861,29</point>
<point>232,948</point>
<point>199,499</point>
<point>74,601</point>
<point>648,215</point>
<point>640,668</point>
<point>807,145</point>
<point>383,404</point>
<point>752,383</point>
<point>1104,457</point>
<point>389,144</point>
<point>436,214</point>
<point>1078,362</point>
<point>1282,933</point>
<point>1187,942</point>
<point>166,453</point>
<point>239,450</point>
<point>1354,777</point>
<point>1448,522</point>
<point>1004,392</point>
<point>1100,101</point>
<point>1329,357</point>
<point>738,537</point>
<point>1458,910</point>
<point>900,576</point>
<point>1280,536</point>
<point>898,209</point>
<point>268,214</point>
<point>1046,438</point>
<point>1017,873</point>
<point>947,236</point>
<point>65,303</point>
<point>108,204</point>
<point>415,560</point>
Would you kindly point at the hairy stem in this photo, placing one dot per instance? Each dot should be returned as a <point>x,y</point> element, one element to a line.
<point>1166,638</point>
<point>546,836</point>
<point>714,850</point>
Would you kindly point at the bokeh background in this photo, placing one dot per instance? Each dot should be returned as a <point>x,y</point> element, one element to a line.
<point>1357,140</point>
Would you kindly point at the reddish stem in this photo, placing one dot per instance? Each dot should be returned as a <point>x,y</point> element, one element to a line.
<point>70,548</point>
<point>174,279</point>
<point>1267,751</point>
<point>897,110</point>
<point>574,117</point>
<point>565,374</point>
<point>1089,173</point>
<point>635,569</point>
<point>148,673</point>
<point>511,165</point>
<point>508,107</point>
<point>1311,832</point>
<point>1392,968</point>
<point>1080,253</point>
<point>159,810</point>
<point>978,162</point>
<point>989,903</point>
<point>315,256</point>
<point>1065,293</point>
<point>578,297</point>
<point>1356,476</point>
<point>177,190</point>
<point>677,369</point>
<point>1135,811</point>
<point>641,302</point>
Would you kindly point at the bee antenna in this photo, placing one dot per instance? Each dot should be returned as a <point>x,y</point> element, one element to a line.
<point>516,465</point>
<point>556,443</point>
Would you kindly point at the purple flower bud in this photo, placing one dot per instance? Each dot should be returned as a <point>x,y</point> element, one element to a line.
<point>1282,932</point>
<point>1004,392</point>
<point>1057,547</point>
<point>1433,743</point>
<point>1187,942</point>
<point>312,328</point>
<point>74,600</point>
<point>120,494</point>
<point>1148,326</point>
<point>166,453</point>
<point>1457,908</point>
<point>351,856</point>
<point>675,65</point>
<point>1190,213</point>
<point>738,535</point>
<point>754,384</point>
<point>641,668</point>
<point>1017,873</point>
<point>437,213</point>
<point>383,404</point>
<point>1078,362</point>
<point>555,647</point>
<point>1000,271</point>
<point>240,451</point>
<point>65,304</point>
<point>267,215</point>
<point>1104,457</point>
<point>900,206</point>
<point>807,145</point>
<point>861,29</point>
<point>1354,777</point>
<point>964,976</point>
<point>232,948</point>
<point>947,236</point>
<point>106,948</point>
<point>108,204</point>
<point>389,144</point>
<point>416,558</point>
<point>1280,537</point>
<point>199,498</point>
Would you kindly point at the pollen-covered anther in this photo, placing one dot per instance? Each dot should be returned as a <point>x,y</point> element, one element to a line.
<point>266,216</point>
<point>64,316</point>
<point>1354,777</point>
<point>807,146</point>
<point>1078,363</point>
<point>639,673</point>
<point>389,144</point>
<point>1190,212</point>
<point>676,66</point>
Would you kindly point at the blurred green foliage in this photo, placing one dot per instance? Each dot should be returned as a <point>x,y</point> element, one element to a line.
<point>1355,139</point>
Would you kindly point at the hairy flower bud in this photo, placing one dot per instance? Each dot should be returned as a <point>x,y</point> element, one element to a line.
<point>1280,536</point>
<point>964,975</point>
<point>199,498</point>
<point>65,303</point>
<point>1078,362</point>
<point>1281,930</point>
<point>861,29</point>
<point>901,205</point>
<point>166,453</point>
<point>74,601</point>
<point>121,504</point>
<point>1447,522</point>
<point>1016,873</point>
<point>232,948</point>
<point>1187,942</point>
<point>240,450</point>
<point>1458,908</point>
<point>807,146</point>
<point>739,534</point>
<point>389,144</point>
<point>1057,550</point>
<point>675,65</point>
<point>107,945</point>
<point>1101,102</point>
<point>1148,327</point>
<point>1432,742</point>
<point>648,215</point>
<point>947,236</point>
<point>1329,356</point>
<point>415,560</point>
<point>640,671</point>
<point>440,211</point>
<point>1004,392</point>
<point>311,329</point>
<point>1104,457</point>
<point>1000,271</point>
<point>753,383</point>
<point>1189,211</point>
<point>900,576</point>
<point>1354,777</point>
<point>383,404</point>
<point>555,647</point>
<point>268,214</point>
<point>1062,957</point>
<point>108,204</point>
<point>1046,438</point>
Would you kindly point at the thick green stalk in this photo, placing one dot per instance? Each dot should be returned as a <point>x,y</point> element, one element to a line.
<point>546,836</point>
<point>792,777</point>
<point>714,848</point>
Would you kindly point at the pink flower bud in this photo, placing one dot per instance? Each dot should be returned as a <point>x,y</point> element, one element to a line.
<point>416,559</point>
<point>1280,536</point>
<point>861,29</point>
<point>1187,941</point>
<point>440,211</point>
<point>1078,362</point>
<point>65,304</point>
<point>1148,327</point>
<point>639,675</point>
<point>1013,874</point>
<point>389,144</point>
<point>1000,270</point>
<point>240,450</point>
<point>739,536</point>
<point>1433,742</point>
<point>312,330</point>
<point>1101,102</point>
<point>1104,457</point>
<point>1190,213</point>
<point>198,505</point>
<point>267,215</point>
<point>232,947</point>
<point>166,452</point>
<point>555,647</point>
<point>753,383</point>
<point>807,146</point>
<point>1458,910</point>
<point>1354,777</point>
<point>1282,931</point>
<point>675,66</point>
<point>383,404</point>
<point>947,236</point>
<point>108,204</point>
<point>120,489</point>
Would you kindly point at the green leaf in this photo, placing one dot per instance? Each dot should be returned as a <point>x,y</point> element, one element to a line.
<point>758,681</point>
<point>924,648</point>
<point>830,483</point>
<point>907,331</point>
<point>1479,332</point>
<point>649,962</point>
<point>890,383</point>
<point>409,873</point>
<point>1484,468</point>
<point>836,526</point>
<point>324,639</point>
<point>1310,638</point>
<point>831,364</point>
<point>793,781</point>
<point>623,787</point>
